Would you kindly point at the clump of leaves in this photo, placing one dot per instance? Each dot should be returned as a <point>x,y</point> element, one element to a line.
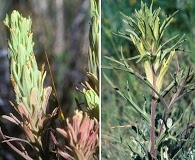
<point>157,136</point>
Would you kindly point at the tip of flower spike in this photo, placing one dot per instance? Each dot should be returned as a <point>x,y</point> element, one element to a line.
<point>81,134</point>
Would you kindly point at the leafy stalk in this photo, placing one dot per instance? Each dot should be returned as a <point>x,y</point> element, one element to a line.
<point>27,80</point>
<point>146,33</point>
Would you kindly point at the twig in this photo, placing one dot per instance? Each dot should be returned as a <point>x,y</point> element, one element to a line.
<point>55,91</point>
<point>153,114</point>
<point>125,126</point>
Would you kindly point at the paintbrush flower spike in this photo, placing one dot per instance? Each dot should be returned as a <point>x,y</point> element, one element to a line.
<point>81,136</point>
<point>27,80</point>
<point>146,32</point>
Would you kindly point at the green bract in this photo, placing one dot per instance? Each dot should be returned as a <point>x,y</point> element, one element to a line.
<point>92,100</point>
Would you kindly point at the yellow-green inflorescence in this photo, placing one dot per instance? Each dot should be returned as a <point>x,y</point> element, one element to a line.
<point>25,76</point>
<point>146,33</point>
<point>27,80</point>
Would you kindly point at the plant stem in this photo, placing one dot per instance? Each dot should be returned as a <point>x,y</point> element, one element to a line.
<point>153,114</point>
<point>174,100</point>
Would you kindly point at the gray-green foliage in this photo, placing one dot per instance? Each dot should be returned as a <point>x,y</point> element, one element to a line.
<point>169,137</point>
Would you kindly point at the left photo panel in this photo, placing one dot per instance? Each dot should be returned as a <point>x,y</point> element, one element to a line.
<point>50,76</point>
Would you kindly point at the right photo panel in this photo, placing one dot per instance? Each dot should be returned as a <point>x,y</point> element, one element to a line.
<point>147,84</point>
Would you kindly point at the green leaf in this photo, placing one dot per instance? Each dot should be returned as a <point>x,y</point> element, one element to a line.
<point>131,102</point>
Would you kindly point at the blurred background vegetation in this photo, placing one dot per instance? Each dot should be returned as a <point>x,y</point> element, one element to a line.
<point>115,111</point>
<point>60,28</point>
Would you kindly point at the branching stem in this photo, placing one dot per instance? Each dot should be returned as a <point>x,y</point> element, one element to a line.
<point>174,100</point>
